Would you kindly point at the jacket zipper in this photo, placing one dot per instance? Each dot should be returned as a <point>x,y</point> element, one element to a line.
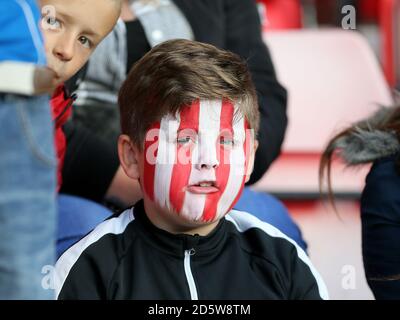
<point>189,275</point>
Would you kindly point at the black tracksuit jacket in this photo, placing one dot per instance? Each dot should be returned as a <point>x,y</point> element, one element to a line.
<point>127,257</point>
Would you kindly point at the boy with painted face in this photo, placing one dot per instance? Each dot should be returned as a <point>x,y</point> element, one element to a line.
<point>189,117</point>
<point>193,165</point>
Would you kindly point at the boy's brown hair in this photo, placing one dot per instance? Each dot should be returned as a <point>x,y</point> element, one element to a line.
<point>176,73</point>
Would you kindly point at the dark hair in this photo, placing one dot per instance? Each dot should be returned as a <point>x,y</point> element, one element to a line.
<point>388,121</point>
<point>177,73</point>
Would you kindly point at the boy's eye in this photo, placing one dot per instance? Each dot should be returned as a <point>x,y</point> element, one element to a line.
<point>226,138</point>
<point>226,141</point>
<point>52,22</point>
<point>85,42</point>
<point>186,136</point>
<point>184,139</point>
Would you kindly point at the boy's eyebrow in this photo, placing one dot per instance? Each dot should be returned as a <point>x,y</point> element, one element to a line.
<point>71,19</point>
<point>189,126</point>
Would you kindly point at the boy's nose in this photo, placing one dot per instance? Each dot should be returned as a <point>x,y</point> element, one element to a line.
<point>206,166</point>
<point>207,156</point>
<point>64,49</point>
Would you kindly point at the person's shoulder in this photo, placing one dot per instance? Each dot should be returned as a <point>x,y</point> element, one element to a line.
<point>260,235</point>
<point>384,177</point>
<point>104,245</point>
<point>385,167</point>
<point>106,232</point>
<point>262,240</point>
<point>381,193</point>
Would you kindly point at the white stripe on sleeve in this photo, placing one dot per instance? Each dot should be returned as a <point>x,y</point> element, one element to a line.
<point>70,257</point>
<point>244,221</point>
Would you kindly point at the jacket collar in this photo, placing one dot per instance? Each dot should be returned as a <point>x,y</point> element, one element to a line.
<point>61,103</point>
<point>177,244</point>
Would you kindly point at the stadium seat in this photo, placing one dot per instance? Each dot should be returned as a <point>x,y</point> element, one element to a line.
<point>279,15</point>
<point>389,22</point>
<point>386,14</point>
<point>333,79</point>
<point>368,10</point>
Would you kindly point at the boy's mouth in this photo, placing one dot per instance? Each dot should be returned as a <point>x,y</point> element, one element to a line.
<point>203,187</point>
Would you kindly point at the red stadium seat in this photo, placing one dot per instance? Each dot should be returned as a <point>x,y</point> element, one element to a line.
<point>368,10</point>
<point>389,15</point>
<point>279,15</point>
<point>386,14</point>
<point>333,79</point>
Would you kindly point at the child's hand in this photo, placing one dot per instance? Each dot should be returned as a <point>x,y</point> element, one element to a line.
<point>45,81</point>
<point>127,13</point>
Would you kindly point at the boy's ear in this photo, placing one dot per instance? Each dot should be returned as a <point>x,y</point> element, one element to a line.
<point>251,160</point>
<point>128,156</point>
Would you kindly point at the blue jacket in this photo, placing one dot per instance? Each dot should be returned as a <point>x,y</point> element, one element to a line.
<point>20,38</point>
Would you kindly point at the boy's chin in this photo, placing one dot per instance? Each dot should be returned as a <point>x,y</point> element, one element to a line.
<point>186,219</point>
<point>62,75</point>
<point>65,77</point>
<point>188,226</point>
<point>198,220</point>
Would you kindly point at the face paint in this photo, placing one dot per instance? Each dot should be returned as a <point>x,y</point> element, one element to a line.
<point>195,163</point>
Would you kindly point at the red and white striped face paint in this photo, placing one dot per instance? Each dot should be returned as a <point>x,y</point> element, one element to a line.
<point>195,163</point>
